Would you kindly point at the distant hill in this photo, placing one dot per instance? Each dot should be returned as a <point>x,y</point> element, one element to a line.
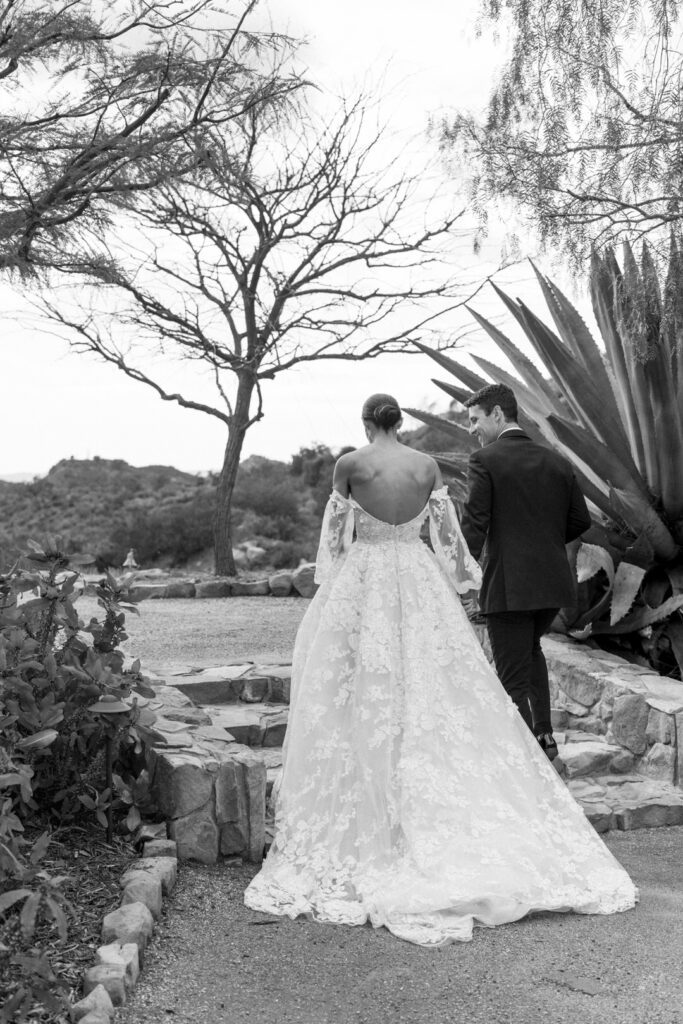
<point>104,507</point>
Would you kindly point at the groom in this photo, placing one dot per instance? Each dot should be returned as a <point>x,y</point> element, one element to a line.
<point>524,503</point>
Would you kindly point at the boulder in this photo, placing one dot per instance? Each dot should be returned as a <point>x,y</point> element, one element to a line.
<point>629,722</point>
<point>123,954</point>
<point>623,762</point>
<point>159,848</point>
<point>661,728</point>
<point>196,836</point>
<point>659,762</point>
<point>588,758</point>
<point>132,923</point>
<point>214,588</point>
<point>661,811</point>
<point>164,869</point>
<point>142,887</point>
<point>303,580</point>
<point>180,590</point>
<point>111,977</point>
<point>251,588</point>
<point>220,685</point>
<point>97,1001</point>
<point>254,689</point>
<point>147,592</point>
<point>280,584</point>
<point>182,782</point>
<point>96,1017</point>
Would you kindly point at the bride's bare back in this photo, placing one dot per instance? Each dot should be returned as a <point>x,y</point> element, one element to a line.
<point>389,480</point>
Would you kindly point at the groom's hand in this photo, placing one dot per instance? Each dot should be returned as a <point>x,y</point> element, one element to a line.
<point>470,603</point>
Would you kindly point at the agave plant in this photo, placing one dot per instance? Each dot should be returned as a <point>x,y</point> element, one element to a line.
<point>616,412</point>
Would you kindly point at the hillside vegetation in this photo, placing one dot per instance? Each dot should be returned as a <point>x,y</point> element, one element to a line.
<point>104,507</point>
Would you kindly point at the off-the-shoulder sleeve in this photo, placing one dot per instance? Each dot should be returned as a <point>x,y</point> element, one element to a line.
<point>449,544</point>
<point>336,535</point>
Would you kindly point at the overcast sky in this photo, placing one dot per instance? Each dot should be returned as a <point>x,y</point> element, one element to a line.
<point>58,404</point>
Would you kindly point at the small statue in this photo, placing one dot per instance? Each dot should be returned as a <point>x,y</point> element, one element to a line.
<point>131,561</point>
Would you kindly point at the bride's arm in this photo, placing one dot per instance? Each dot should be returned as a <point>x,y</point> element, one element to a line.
<point>336,535</point>
<point>449,544</point>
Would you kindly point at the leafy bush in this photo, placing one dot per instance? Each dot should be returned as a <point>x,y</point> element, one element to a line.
<point>617,415</point>
<point>67,719</point>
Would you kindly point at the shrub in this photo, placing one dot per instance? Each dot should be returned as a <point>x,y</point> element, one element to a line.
<point>59,676</point>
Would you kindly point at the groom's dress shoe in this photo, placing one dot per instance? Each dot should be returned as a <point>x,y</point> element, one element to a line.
<point>548,745</point>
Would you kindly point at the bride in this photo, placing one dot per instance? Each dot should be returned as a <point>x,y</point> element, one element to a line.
<point>412,794</point>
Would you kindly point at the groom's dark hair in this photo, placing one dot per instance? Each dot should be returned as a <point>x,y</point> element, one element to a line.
<point>492,395</point>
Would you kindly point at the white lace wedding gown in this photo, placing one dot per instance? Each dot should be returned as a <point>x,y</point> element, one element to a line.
<point>413,795</point>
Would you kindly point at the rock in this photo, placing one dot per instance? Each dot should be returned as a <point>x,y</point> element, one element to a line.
<point>97,1000</point>
<point>125,955</point>
<point>587,758</point>
<point>150,830</point>
<point>280,584</point>
<point>303,580</point>
<point>661,693</point>
<point>188,715</point>
<point>159,848</point>
<point>558,718</point>
<point>254,689</point>
<point>214,588</point>
<point>146,592</point>
<point>659,812</point>
<point>590,723</point>
<point>96,1017</point>
<point>251,588</point>
<point>196,835</point>
<point>132,923</point>
<point>111,977</point>
<point>659,762</point>
<point>179,590</point>
<point>629,722</point>
<point>165,869</point>
<point>143,887</point>
<point>221,685</point>
<point>571,707</point>
<point>679,749</point>
<point>601,816</point>
<point>241,805</point>
<point>181,782</point>
<point>661,728</point>
<point>623,762</point>
<point>573,673</point>
<point>279,683</point>
<point>275,729</point>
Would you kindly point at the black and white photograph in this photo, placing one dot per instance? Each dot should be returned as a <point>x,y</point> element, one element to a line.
<point>341,512</point>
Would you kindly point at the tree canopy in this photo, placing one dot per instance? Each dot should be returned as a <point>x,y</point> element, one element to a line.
<point>583,132</point>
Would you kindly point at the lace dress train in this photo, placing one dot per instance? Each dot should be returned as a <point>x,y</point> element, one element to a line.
<point>412,794</point>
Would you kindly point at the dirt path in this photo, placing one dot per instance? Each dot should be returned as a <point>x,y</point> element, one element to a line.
<point>214,961</point>
<point>211,632</point>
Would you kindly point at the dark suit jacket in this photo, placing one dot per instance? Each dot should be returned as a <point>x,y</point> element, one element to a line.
<point>524,503</point>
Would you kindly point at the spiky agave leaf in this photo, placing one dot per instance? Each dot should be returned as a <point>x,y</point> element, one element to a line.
<point>605,279</point>
<point>627,580</point>
<point>641,618</point>
<point>576,336</point>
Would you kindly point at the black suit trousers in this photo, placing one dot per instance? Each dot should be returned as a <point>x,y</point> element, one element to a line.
<point>516,644</point>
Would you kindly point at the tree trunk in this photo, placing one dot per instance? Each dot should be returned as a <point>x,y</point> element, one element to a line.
<point>222,526</point>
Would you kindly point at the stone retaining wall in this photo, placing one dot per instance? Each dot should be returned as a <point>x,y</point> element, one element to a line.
<point>636,714</point>
<point>297,583</point>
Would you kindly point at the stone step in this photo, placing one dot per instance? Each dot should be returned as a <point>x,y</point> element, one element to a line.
<point>254,725</point>
<point>232,684</point>
<point>627,802</point>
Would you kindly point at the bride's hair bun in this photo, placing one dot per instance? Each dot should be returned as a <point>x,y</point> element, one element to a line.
<point>382,410</point>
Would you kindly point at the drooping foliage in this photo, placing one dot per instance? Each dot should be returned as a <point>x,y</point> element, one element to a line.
<point>582,131</point>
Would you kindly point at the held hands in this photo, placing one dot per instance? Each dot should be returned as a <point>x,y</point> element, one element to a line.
<point>470,603</point>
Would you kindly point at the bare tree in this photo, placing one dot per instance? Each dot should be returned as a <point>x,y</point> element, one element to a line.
<point>302,244</point>
<point>583,132</point>
<point>103,102</point>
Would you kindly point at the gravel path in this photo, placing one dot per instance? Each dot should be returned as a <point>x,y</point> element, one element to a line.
<point>214,961</point>
<point>211,632</point>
